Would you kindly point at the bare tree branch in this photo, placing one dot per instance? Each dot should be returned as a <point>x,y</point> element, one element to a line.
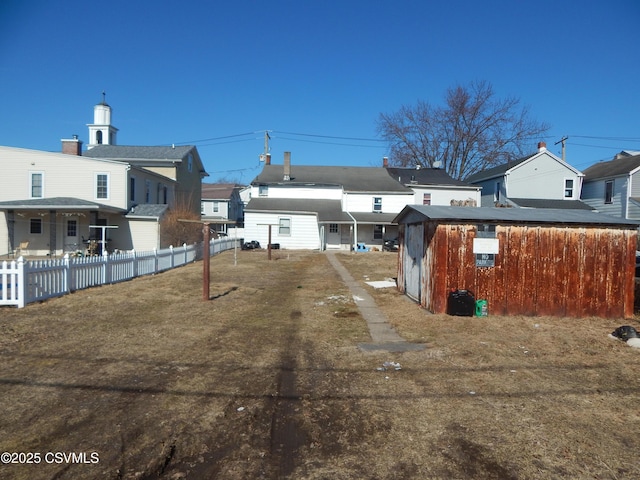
<point>473,131</point>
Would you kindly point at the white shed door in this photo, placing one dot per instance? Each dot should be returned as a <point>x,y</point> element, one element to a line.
<point>413,260</point>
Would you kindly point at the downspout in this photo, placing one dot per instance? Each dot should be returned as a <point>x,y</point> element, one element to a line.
<point>355,231</point>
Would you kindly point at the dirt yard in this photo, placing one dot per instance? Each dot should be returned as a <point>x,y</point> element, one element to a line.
<point>145,380</point>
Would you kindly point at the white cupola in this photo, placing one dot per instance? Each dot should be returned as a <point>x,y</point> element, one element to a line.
<point>101,132</point>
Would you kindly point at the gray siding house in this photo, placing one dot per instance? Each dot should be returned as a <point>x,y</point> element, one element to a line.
<point>613,187</point>
<point>541,180</point>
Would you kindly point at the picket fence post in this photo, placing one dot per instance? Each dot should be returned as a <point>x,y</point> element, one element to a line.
<point>67,273</point>
<point>22,282</point>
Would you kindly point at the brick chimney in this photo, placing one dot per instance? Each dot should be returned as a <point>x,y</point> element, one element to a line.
<point>287,166</point>
<point>267,160</point>
<point>542,146</point>
<point>72,146</point>
<point>385,162</point>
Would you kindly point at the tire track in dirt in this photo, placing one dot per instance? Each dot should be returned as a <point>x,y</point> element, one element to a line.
<point>287,434</point>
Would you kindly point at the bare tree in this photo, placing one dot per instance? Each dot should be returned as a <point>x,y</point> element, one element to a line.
<point>174,232</point>
<point>472,132</point>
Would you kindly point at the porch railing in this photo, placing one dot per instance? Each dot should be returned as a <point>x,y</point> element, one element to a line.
<point>23,282</point>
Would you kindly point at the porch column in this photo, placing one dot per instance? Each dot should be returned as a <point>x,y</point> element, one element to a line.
<point>11,231</point>
<point>52,233</point>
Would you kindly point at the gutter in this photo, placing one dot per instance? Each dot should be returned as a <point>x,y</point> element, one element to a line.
<point>355,230</point>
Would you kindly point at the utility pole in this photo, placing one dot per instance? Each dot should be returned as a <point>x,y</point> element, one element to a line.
<point>266,142</point>
<point>563,140</point>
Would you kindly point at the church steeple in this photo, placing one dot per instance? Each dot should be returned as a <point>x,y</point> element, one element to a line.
<point>101,132</point>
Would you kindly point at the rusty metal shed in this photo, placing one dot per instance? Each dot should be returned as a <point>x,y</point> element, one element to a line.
<point>572,263</point>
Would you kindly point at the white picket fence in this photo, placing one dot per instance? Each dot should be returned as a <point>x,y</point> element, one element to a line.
<point>23,282</point>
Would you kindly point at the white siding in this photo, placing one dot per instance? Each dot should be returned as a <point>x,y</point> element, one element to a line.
<point>145,234</point>
<point>297,191</point>
<point>444,196</point>
<point>363,202</point>
<point>542,177</point>
<point>64,176</point>
<point>304,230</point>
<point>593,195</point>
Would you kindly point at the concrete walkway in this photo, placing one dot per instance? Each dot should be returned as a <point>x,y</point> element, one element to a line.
<point>383,335</point>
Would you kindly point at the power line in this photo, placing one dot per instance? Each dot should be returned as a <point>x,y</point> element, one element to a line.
<point>359,139</point>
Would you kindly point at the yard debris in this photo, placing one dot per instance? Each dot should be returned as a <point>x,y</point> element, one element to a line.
<point>382,284</point>
<point>389,365</point>
<point>627,334</point>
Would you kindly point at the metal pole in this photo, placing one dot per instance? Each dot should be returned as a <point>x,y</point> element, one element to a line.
<point>269,244</point>
<point>206,262</point>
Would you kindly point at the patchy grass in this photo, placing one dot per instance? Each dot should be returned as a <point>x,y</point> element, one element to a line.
<point>265,380</point>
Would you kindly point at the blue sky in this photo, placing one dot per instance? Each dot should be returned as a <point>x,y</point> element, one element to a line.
<point>315,74</point>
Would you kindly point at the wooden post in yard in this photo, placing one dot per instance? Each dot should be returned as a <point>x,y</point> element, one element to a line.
<point>269,244</point>
<point>206,262</point>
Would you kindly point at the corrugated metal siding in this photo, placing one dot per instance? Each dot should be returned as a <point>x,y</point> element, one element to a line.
<point>559,271</point>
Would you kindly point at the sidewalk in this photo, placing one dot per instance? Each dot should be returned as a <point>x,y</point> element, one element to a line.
<point>383,335</point>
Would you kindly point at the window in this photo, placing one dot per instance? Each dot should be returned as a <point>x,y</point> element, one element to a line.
<point>377,232</point>
<point>568,188</point>
<point>333,228</point>
<point>203,208</point>
<point>377,204</point>
<point>263,190</point>
<point>99,137</point>
<point>216,207</point>
<point>37,185</point>
<point>102,185</point>
<point>190,163</point>
<point>284,227</point>
<point>35,226</point>
<point>132,189</point>
<point>165,194</point>
<point>426,199</point>
<point>147,191</point>
<point>608,191</point>
<point>72,228</point>
<point>496,194</point>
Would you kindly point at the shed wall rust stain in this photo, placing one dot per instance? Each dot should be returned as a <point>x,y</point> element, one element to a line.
<point>539,270</point>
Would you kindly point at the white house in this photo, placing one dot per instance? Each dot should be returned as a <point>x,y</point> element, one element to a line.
<point>434,186</point>
<point>541,180</point>
<point>613,187</point>
<point>323,207</point>
<point>53,203</point>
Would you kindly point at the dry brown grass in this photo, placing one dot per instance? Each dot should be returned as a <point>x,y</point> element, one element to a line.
<point>265,380</point>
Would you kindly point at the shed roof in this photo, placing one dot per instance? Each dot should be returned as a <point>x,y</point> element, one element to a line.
<point>352,179</point>
<point>549,203</point>
<point>147,210</point>
<point>416,213</point>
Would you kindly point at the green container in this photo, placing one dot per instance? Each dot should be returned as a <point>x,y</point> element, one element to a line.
<point>482,308</point>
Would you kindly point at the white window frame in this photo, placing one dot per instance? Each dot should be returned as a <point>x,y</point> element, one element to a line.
<point>571,189</point>
<point>284,226</point>
<point>263,190</point>
<point>377,205</point>
<point>97,186</point>
<point>31,175</point>
<point>426,199</point>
